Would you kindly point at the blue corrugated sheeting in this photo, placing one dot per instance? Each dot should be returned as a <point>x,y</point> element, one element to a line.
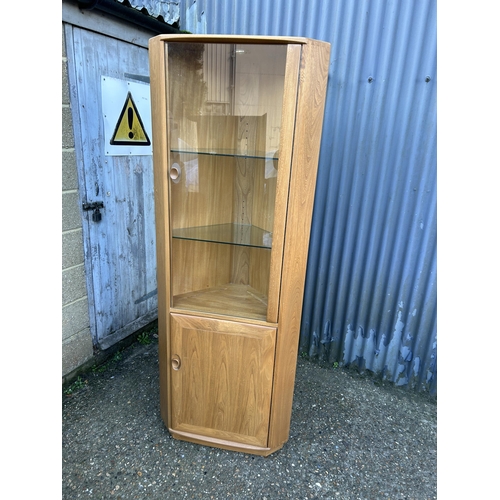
<point>370,294</point>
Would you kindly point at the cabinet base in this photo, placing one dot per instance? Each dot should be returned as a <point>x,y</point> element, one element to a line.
<point>223,444</point>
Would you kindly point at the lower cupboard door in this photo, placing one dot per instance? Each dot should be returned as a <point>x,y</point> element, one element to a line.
<point>221,379</point>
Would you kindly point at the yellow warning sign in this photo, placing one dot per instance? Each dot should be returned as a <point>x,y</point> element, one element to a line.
<point>129,128</point>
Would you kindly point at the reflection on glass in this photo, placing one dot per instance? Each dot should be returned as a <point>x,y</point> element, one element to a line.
<point>225,105</point>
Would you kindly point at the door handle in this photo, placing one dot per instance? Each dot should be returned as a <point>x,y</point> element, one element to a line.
<point>175,173</point>
<point>176,362</point>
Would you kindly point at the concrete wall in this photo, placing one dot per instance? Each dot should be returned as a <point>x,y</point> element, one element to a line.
<point>76,337</point>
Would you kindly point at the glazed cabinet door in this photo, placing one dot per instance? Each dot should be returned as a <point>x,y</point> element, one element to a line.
<point>221,375</point>
<point>230,123</point>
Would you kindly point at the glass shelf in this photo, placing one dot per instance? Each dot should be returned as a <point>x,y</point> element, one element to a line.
<point>260,155</point>
<point>230,234</point>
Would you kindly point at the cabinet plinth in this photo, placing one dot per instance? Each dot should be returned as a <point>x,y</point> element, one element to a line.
<point>236,133</point>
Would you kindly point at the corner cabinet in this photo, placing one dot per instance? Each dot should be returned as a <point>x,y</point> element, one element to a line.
<point>236,133</point>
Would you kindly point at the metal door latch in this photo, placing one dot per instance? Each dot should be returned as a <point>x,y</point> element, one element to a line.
<point>95,206</point>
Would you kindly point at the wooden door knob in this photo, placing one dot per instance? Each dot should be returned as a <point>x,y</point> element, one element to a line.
<point>176,362</point>
<point>175,172</point>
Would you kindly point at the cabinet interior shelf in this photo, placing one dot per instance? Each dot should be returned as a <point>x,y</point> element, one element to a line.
<point>259,155</point>
<point>225,300</point>
<point>229,234</point>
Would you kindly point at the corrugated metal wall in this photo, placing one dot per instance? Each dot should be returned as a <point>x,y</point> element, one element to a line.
<point>370,296</point>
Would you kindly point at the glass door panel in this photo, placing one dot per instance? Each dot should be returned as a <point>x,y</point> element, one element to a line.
<point>225,103</point>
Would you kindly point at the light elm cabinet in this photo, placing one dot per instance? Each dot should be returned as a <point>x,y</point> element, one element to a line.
<point>236,133</point>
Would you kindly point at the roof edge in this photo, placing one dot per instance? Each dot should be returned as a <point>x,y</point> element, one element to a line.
<point>124,11</point>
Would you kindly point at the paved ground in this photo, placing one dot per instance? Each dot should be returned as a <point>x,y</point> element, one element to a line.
<point>350,438</point>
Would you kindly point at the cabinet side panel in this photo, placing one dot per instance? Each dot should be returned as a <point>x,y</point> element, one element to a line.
<point>203,192</point>
<point>240,258</point>
<point>259,270</point>
<point>198,265</point>
<point>216,133</point>
<point>309,122</point>
<point>158,70</point>
<point>264,196</point>
<point>284,165</point>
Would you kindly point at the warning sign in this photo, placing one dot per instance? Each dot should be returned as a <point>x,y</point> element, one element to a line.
<point>126,114</point>
<point>129,128</point>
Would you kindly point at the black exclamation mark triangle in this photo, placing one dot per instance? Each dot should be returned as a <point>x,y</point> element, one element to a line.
<point>129,127</point>
<point>130,116</point>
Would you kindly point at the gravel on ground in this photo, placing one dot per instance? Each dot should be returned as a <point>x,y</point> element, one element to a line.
<point>351,437</point>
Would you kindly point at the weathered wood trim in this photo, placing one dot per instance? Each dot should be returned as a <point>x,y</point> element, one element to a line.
<point>105,25</point>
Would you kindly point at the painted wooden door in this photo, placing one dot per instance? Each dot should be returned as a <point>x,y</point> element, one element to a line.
<point>119,237</point>
<point>221,379</point>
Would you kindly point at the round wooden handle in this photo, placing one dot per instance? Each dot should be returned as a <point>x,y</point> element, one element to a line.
<point>175,172</point>
<point>176,362</point>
